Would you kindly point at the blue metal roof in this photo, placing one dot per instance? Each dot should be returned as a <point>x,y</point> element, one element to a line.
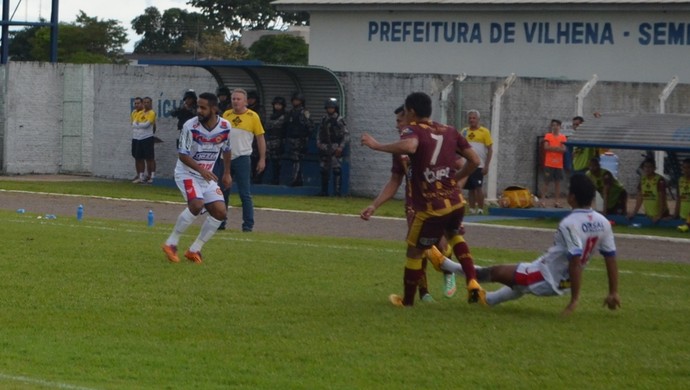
<point>667,132</point>
<point>316,83</point>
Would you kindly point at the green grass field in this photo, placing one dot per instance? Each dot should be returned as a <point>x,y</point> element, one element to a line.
<point>95,305</point>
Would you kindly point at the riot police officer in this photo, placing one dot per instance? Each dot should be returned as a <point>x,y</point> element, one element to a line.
<point>275,137</point>
<point>297,131</point>
<point>331,141</point>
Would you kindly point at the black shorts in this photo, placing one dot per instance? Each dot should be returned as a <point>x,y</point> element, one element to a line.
<point>475,180</point>
<point>553,174</point>
<point>142,149</point>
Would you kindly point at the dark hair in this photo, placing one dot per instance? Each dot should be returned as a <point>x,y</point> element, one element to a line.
<point>253,95</point>
<point>189,94</point>
<point>146,97</point>
<point>399,109</point>
<point>279,100</point>
<point>578,118</point>
<point>210,98</point>
<point>649,161</point>
<point>557,121</point>
<point>223,90</point>
<point>420,103</point>
<point>138,98</point>
<point>596,160</point>
<point>583,189</point>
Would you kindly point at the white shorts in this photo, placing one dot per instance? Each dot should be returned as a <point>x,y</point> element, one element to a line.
<point>530,279</point>
<point>193,188</point>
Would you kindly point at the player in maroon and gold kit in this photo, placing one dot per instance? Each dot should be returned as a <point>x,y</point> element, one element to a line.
<point>435,196</point>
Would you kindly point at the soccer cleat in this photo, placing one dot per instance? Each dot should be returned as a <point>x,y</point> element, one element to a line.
<point>684,228</point>
<point>450,287</point>
<point>475,293</point>
<point>435,256</point>
<point>137,181</point>
<point>194,257</point>
<point>171,253</point>
<point>149,180</point>
<point>396,300</point>
<point>427,298</point>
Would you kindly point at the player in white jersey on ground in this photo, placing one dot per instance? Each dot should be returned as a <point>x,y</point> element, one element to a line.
<point>559,269</point>
<point>202,139</point>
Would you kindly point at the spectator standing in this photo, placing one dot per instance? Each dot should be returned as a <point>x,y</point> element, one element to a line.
<point>554,149</point>
<point>479,138</point>
<point>134,117</point>
<point>332,141</point>
<point>651,192</point>
<point>151,115</point>
<point>297,131</point>
<point>436,198</point>
<point>201,139</point>
<point>143,122</point>
<point>246,126</point>
<point>275,137</point>
<point>683,196</point>
<point>611,190</point>
<point>582,156</point>
<point>186,111</point>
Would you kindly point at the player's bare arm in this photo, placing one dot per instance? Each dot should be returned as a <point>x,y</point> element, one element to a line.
<point>612,300</point>
<point>387,192</point>
<point>227,178</point>
<point>575,271</point>
<point>189,161</point>
<point>470,165</point>
<point>403,146</point>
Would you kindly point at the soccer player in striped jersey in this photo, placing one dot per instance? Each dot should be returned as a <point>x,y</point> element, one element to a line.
<point>202,139</point>
<point>435,196</point>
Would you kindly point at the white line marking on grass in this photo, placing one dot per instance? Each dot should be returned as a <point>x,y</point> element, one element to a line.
<point>41,382</point>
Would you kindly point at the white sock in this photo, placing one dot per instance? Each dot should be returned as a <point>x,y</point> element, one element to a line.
<point>142,176</point>
<point>451,266</point>
<point>503,294</point>
<point>184,221</point>
<point>152,175</point>
<point>208,229</point>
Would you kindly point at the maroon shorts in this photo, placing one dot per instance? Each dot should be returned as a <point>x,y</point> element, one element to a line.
<point>426,228</point>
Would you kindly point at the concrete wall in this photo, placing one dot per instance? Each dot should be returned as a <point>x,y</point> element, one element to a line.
<point>75,118</point>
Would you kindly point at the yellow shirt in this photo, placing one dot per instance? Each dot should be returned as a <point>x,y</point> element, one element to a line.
<point>480,139</point>
<point>244,127</point>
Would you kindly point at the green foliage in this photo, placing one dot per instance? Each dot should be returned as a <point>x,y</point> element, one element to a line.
<point>169,32</point>
<point>94,304</point>
<point>213,46</point>
<point>242,15</point>
<point>280,49</point>
<point>87,40</point>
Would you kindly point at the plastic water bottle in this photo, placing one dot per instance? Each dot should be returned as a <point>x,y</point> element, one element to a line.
<point>21,211</point>
<point>150,218</point>
<point>80,212</point>
<point>50,216</point>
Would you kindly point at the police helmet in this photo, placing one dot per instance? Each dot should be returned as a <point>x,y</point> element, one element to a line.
<point>189,94</point>
<point>223,91</point>
<point>298,96</point>
<point>330,103</point>
<point>253,95</point>
<point>279,100</point>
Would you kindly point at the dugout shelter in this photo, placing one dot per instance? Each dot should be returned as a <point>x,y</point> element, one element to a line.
<point>316,83</point>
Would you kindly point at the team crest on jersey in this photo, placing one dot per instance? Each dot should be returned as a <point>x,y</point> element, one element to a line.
<point>223,125</point>
<point>236,121</point>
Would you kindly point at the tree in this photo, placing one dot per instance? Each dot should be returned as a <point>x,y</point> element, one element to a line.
<point>213,46</point>
<point>169,32</point>
<point>243,15</point>
<point>87,40</point>
<point>280,49</point>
